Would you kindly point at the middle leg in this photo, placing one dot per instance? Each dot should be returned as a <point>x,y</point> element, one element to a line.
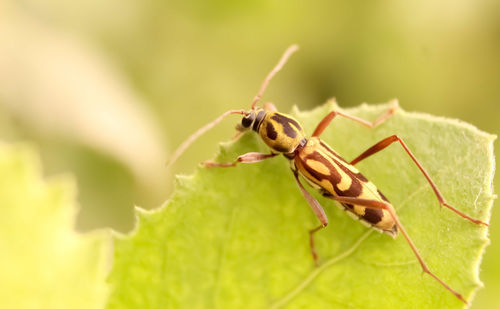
<point>328,118</point>
<point>318,211</point>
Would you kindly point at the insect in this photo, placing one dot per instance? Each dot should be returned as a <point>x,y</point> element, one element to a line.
<point>320,166</point>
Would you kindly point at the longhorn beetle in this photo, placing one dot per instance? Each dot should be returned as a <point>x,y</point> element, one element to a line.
<point>323,168</point>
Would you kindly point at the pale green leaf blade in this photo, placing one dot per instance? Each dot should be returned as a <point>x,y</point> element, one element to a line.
<point>44,262</point>
<point>237,237</point>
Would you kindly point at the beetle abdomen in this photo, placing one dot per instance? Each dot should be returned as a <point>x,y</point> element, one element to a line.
<point>324,168</point>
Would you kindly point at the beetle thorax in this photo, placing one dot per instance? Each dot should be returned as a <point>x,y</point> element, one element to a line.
<point>280,132</point>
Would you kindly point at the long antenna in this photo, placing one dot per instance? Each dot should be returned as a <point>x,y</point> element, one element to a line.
<point>290,50</point>
<point>180,150</point>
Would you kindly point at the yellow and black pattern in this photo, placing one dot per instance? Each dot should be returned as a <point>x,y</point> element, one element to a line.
<point>280,132</point>
<point>325,169</point>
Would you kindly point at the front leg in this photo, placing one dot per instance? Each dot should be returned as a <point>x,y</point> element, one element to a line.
<point>250,157</point>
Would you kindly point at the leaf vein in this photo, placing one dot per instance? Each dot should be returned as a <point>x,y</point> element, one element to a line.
<point>227,235</point>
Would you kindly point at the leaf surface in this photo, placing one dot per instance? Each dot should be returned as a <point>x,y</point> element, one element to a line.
<point>237,237</point>
<point>44,262</point>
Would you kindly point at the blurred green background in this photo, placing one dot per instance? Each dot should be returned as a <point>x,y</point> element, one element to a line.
<point>106,89</point>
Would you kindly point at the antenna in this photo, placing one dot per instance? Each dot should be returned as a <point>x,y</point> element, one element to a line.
<point>180,150</point>
<point>288,52</point>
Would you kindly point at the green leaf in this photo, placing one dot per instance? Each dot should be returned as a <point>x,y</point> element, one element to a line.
<point>44,262</point>
<point>238,237</point>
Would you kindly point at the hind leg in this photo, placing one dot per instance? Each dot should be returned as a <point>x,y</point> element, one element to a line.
<point>386,206</point>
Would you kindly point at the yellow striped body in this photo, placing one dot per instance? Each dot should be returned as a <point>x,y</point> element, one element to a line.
<point>333,176</point>
<point>280,132</point>
<point>320,165</point>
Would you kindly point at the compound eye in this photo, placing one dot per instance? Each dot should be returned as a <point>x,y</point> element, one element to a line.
<point>247,121</point>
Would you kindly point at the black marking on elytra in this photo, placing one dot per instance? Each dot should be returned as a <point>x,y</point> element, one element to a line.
<point>349,206</point>
<point>313,172</point>
<point>330,150</point>
<point>355,188</point>
<point>285,122</point>
<point>373,216</point>
<point>325,193</point>
<point>270,131</point>
<point>258,120</point>
<point>334,178</point>
<point>336,155</point>
<point>361,177</point>
<point>382,196</point>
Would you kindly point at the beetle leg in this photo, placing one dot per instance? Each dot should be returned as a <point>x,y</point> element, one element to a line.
<point>250,157</point>
<point>270,107</point>
<point>386,206</point>
<point>318,211</point>
<point>394,138</point>
<point>328,118</point>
